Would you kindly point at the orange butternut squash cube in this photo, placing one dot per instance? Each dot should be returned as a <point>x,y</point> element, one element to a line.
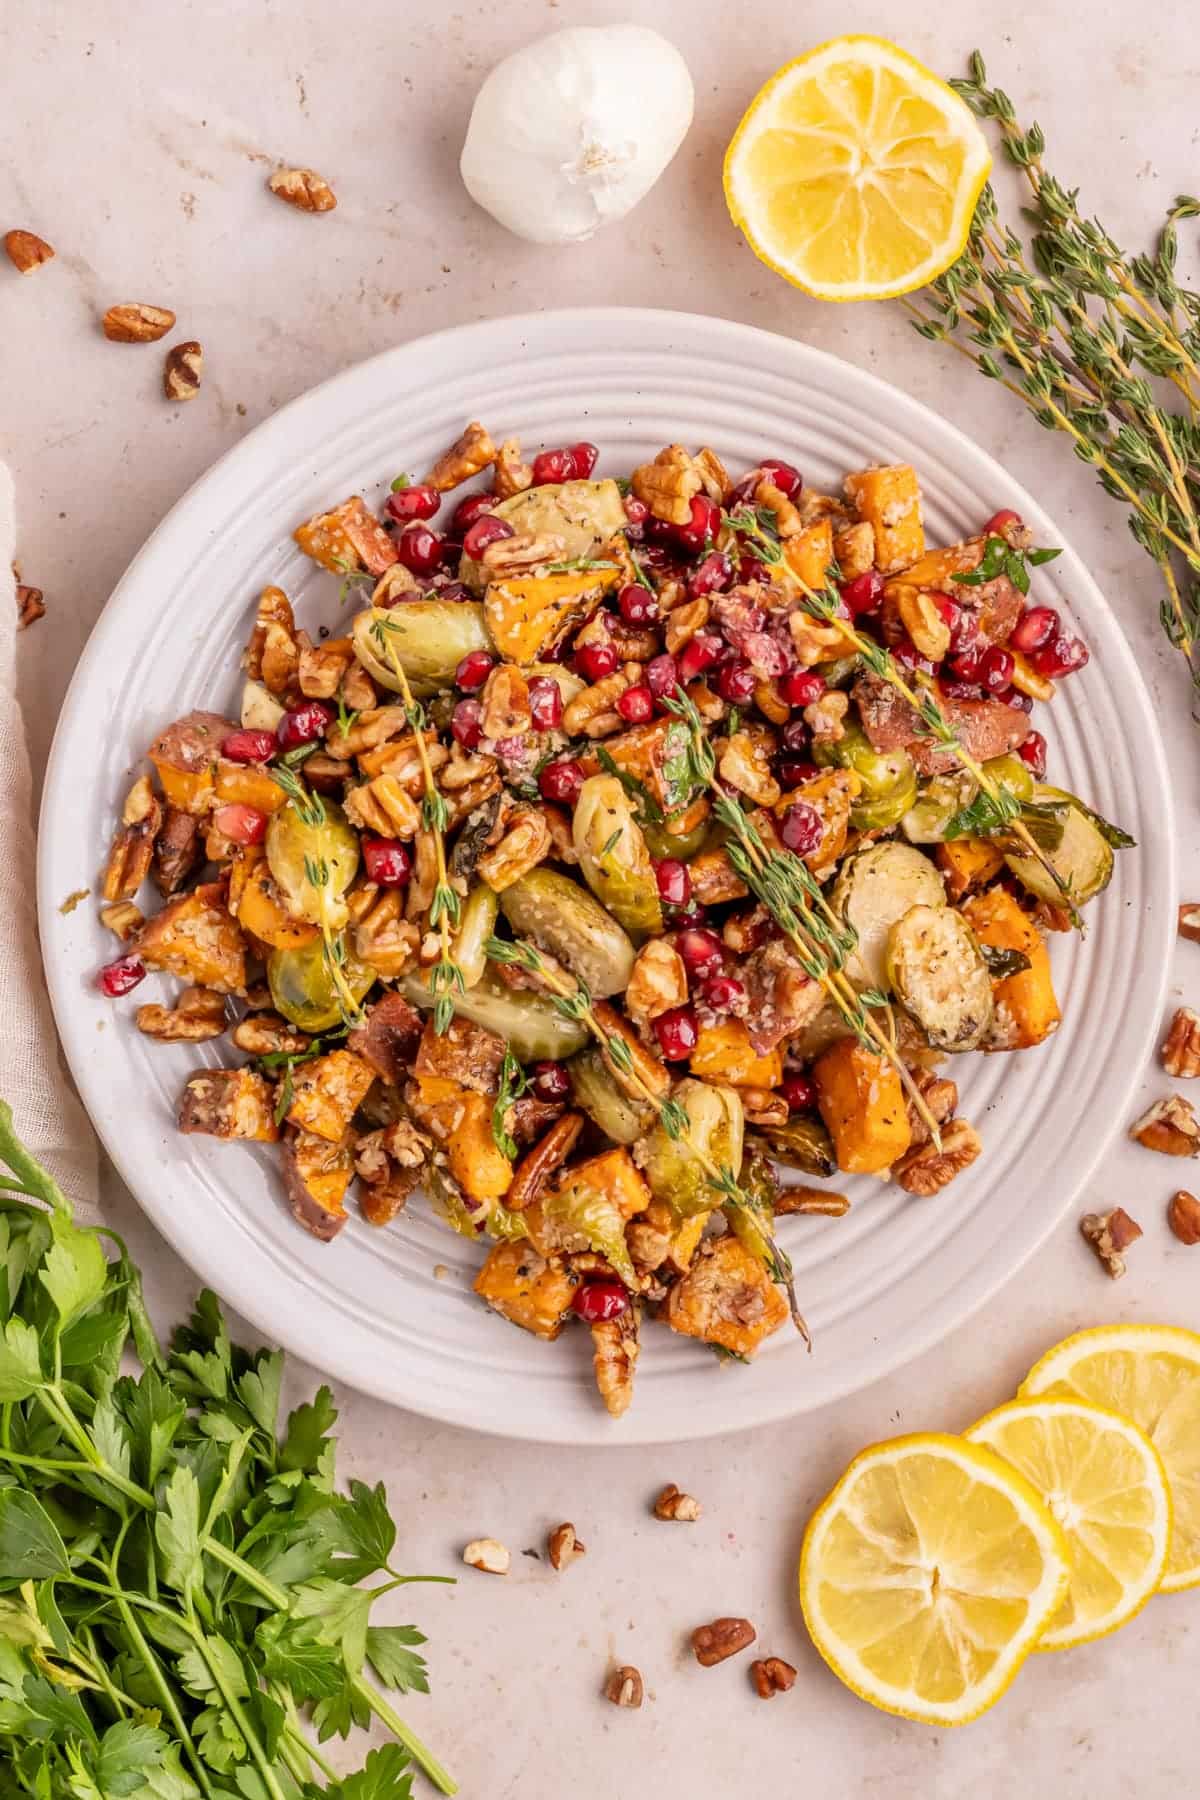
<point>724,1053</point>
<point>889,499</point>
<point>255,903</point>
<point>523,1287</point>
<point>328,1091</point>
<point>1027,1008</point>
<point>196,937</point>
<point>247,784</point>
<point>862,1103</point>
<point>527,614</point>
<point>967,863</point>
<point>809,554</point>
<point>347,539</point>
<point>726,1298</point>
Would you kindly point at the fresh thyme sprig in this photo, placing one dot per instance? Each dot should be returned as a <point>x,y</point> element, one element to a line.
<point>513,1083</point>
<point>445,977</point>
<point>1079,331</point>
<point>310,810</point>
<point>572,999</point>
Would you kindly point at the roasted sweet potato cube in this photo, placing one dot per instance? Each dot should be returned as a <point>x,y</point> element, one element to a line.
<point>655,755</point>
<point>809,554</point>
<point>522,1286</point>
<point>967,863</point>
<point>889,499</point>
<point>347,539</point>
<point>1026,1007</point>
<point>526,615</point>
<point>247,784</point>
<point>196,937</point>
<point>724,1053</point>
<point>832,793</point>
<point>714,879</point>
<point>465,1053</point>
<point>726,1298</point>
<point>257,905</point>
<point>317,1174</point>
<point>327,1092</point>
<point>229,1103</point>
<point>186,754</point>
<point>862,1103</point>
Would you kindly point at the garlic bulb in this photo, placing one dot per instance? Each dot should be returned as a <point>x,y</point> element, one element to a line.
<point>572,131</point>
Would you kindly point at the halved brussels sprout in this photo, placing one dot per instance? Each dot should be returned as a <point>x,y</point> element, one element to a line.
<point>874,888</point>
<point>585,514</point>
<point>530,1026</point>
<point>889,777</point>
<point>1011,773</point>
<point>428,638</point>
<point>935,966</point>
<point>662,842</point>
<point>297,850</point>
<point>939,799</point>
<point>302,988</point>
<point>596,1090</point>
<point>565,919</point>
<point>802,1142</point>
<point>613,857</point>
<point>1082,856</point>
<point>716,1125</point>
<point>578,1205</point>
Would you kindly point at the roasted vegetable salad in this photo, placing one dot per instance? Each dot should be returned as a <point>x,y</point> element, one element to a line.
<point>634,843</point>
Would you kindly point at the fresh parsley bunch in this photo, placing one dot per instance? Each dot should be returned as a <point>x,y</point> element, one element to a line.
<point>181,1608</point>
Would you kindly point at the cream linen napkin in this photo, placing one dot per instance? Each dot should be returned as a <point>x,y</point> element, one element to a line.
<point>47,1114</point>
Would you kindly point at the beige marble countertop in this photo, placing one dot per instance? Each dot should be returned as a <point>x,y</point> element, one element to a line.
<point>136,137</point>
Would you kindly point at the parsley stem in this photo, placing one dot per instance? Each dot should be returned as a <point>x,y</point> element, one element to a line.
<point>439,1776</point>
<point>237,1714</point>
<point>237,1565</point>
<point>162,1686</point>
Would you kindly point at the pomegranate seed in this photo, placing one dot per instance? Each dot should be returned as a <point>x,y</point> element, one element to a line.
<point>638,606</point>
<point>595,661</point>
<point>662,677</point>
<point>996,673</point>
<point>750,569</point>
<point>420,549</point>
<point>721,992</point>
<point>661,534</point>
<point>674,881</point>
<point>1061,656</point>
<point>467,511</point>
<point>701,951</point>
<point>794,736</point>
<point>704,652</point>
<point>545,703</point>
<point>553,466</point>
<point>303,726</point>
<point>636,704</point>
<point>965,632</point>
<point>474,670</point>
<point>792,770</point>
<point>596,1302</point>
<point>742,491</point>
<point>561,781</point>
<point>549,1081</point>
<point>802,687</point>
<point>250,746</point>
<point>487,529</point>
<point>863,594</point>
<point>799,1092</point>
<point>387,862</point>
<point>241,824</point>
<point>636,511</point>
<point>116,978</point>
<point>713,574</point>
<point>451,591</point>
<point>691,918</point>
<point>464,723</point>
<point>704,525</point>
<point>1036,626</point>
<point>1018,701</point>
<point>1033,752</point>
<point>736,683</point>
<point>782,475</point>
<point>584,457</point>
<point>968,666</point>
<point>417,502</point>
<point>802,829</point>
<point>1001,522</point>
<point>677,1033</point>
<point>949,609</point>
<point>907,656</point>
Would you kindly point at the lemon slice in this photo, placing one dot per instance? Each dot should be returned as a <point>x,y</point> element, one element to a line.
<point>928,1574</point>
<point>855,171</point>
<point>1105,1483</point>
<point>1150,1374</point>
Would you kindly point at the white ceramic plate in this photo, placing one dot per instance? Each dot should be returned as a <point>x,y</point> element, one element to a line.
<point>878,1286</point>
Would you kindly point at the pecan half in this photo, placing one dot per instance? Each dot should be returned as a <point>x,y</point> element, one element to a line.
<point>926,1170</point>
<point>384,807</point>
<point>505,703</point>
<point>1181,1050</point>
<point>467,455</point>
<point>537,1165</point>
<point>30,606</point>
<point>1189,921</point>
<point>268,1034</point>
<point>683,622</point>
<point>658,982</point>
<point>182,371</point>
<point>1183,1216</point>
<point>26,251</point>
<point>624,1687</point>
<point>771,1676</point>
<point>593,713</point>
<point>303,189</point>
<point>616,1346</point>
<point>522,553</point>
<point>723,1638</point>
<point>714,477</point>
<point>811,1202</point>
<point>923,622</point>
<point>487,1554</point>
<point>562,1546</point>
<point>383,938</point>
<point>133,847</point>
<point>198,1015</point>
<point>745,764</point>
<point>134,322</point>
<point>525,843</point>
<point>788,520</point>
<point>667,484</point>
<point>940,1095</point>
<point>123,918</point>
<point>1109,1234</point>
<point>681,1509</point>
<point>510,475</point>
<point>1169,1126</point>
<point>825,717</point>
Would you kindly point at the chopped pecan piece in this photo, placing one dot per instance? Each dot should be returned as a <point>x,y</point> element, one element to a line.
<point>925,1170</point>
<point>562,1546</point>
<point>683,622</point>
<point>302,188</point>
<point>940,1095</point>
<point>667,484</point>
<point>133,322</point>
<point>268,1034</point>
<point>1183,1216</point>
<point>467,456</point>
<point>624,1687</point>
<point>176,850</point>
<point>30,606</point>
<point>272,654</point>
<point>389,1162</point>
<point>788,521</point>
<point>745,764</point>
<point>124,918</point>
<point>923,622</point>
<point>133,847</point>
<point>615,1350</point>
<point>385,807</point>
<point>782,998</point>
<point>347,539</point>
<point>1189,921</point>
<point>813,642</point>
<point>771,1676</point>
<point>681,1508</point>
<point>723,1638</point>
<point>182,371</point>
<point>658,982</point>
<point>593,713</point>
<point>825,717</point>
<point>714,477</point>
<point>26,251</point>
<point>510,475</point>
<point>1109,1234</point>
<point>526,842</point>
<point>1169,1126</point>
<point>821,1203</point>
<point>522,553</point>
<point>229,1103</point>
<point>197,1016</point>
<point>383,937</point>
<point>537,1165</point>
<point>1181,1051</point>
<point>322,667</point>
<point>505,703</point>
<point>488,1555</point>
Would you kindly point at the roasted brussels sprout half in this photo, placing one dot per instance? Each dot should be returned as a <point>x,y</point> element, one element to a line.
<point>938,974</point>
<point>662,841</point>
<point>584,514</point>
<point>596,1090</point>
<point>565,919</point>
<point>801,1143</point>
<point>527,1022</point>
<point>476,925</point>
<point>716,1125</point>
<point>1070,837</point>
<point>302,988</point>
<point>874,888</point>
<point>297,851</point>
<point>613,857</point>
<point>888,777</point>
<point>925,821</point>
<point>428,638</point>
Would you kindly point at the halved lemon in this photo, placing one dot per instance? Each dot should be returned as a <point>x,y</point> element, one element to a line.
<point>855,171</point>
<point>1105,1483</point>
<point>928,1575</point>
<point>1150,1374</point>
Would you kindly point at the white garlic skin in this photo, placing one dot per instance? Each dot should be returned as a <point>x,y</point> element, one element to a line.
<point>572,131</point>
